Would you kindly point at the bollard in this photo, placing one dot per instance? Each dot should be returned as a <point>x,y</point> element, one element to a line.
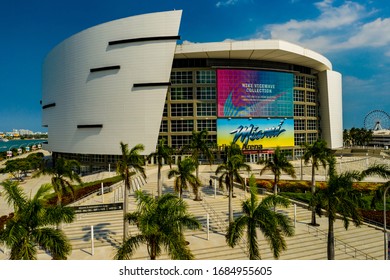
<point>208,226</point>
<point>5,246</point>
<point>215,188</point>
<point>92,244</point>
<point>102,192</point>
<point>295,214</point>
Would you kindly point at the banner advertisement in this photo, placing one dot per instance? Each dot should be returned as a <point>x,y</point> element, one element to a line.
<point>250,93</point>
<point>248,132</point>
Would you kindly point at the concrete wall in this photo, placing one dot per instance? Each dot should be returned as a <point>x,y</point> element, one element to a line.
<point>108,98</point>
<point>331,108</point>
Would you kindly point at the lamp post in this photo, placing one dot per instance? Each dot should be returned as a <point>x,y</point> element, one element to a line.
<point>301,169</point>
<point>384,222</point>
<point>301,158</point>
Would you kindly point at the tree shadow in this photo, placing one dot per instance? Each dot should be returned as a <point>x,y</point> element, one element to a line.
<point>100,233</point>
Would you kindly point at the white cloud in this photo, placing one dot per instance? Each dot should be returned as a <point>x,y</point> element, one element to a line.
<point>374,34</point>
<point>226,3</point>
<point>336,28</point>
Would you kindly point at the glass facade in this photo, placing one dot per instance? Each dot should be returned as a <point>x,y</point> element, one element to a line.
<point>192,98</point>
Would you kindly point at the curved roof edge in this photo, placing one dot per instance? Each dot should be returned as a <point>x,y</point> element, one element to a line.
<point>271,50</point>
<point>125,21</point>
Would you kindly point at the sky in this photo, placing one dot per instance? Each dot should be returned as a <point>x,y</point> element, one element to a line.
<point>354,35</point>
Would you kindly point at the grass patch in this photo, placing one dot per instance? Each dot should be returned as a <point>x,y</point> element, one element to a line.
<point>84,189</point>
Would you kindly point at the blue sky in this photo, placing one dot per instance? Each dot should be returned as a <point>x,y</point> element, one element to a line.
<point>353,35</point>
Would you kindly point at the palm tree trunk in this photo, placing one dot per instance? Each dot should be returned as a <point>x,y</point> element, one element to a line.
<point>231,200</point>
<point>276,185</point>
<point>197,196</point>
<point>153,250</point>
<point>125,210</point>
<point>313,191</point>
<point>159,187</point>
<point>330,240</point>
<point>252,245</point>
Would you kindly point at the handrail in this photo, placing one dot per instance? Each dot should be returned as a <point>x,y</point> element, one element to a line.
<point>346,246</point>
<point>222,225</point>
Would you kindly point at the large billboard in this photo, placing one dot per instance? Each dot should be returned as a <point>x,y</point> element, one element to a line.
<point>250,93</point>
<point>249,132</point>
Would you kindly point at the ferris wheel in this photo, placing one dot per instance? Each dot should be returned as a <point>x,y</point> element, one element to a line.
<point>377,120</point>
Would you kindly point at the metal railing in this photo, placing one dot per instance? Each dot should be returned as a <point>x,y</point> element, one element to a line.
<point>340,245</point>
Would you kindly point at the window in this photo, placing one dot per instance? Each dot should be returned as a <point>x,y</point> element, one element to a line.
<point>181,93</point>
<point>311,83</point>
<point>164,126</point>
<point>299,124</point>
<point>311,96</point>
<point>299,81</point>
<point>311,111</point>
<point>205,77</point>
<point>165,112</point>
<point>299,110</point>
<point>206,109</point>
<point>98,158</point>
<point>311,124</point>
<point>182,110</point>
<point>85,158</point>
<point>299,139</point>
<point>182,125</point>
<point>178,141</point>
<point>181,77</point>
<point>206,93</point>
<point>311,138</point>
<point>209,125</point>
<point>112,158</point>
<point>299,95</point>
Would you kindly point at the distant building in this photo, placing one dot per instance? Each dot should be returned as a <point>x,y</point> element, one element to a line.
<point>381,138</point>
<point>127,80</point>
<point>24,132</point>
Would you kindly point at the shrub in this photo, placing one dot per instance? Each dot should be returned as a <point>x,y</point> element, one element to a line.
<point>84,190</point>
<point>265,184</point>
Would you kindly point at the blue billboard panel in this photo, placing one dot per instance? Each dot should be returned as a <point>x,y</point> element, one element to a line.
<point>251,93</point>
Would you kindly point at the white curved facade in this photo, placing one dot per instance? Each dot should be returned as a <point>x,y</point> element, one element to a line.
<point>91,112</point>
<point>109,83</point>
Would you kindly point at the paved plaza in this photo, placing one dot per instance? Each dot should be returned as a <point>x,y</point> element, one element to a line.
<point>308,243</point>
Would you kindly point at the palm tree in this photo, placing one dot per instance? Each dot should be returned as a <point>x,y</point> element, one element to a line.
<point>273,225</point>
<point>184,176</point>
<point>163,153</point>
<point>276,165</point>
<point>198,146</point>
<point>339,199</point>
<point>230,171</point>
<point>63,175</point>
<point>31,225</point>
<point>160,221</point>
<point>131,159</point>
<point>317,153</point>
<point>381,170</point>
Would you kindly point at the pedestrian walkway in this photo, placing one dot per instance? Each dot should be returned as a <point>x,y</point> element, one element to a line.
<point>308,243</point>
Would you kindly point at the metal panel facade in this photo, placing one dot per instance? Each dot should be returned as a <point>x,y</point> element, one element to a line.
<point>85,97</point>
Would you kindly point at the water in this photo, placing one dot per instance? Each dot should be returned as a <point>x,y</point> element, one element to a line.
<point>11,144</point>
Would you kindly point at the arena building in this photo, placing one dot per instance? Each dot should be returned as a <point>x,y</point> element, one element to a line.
<point>128,80</point>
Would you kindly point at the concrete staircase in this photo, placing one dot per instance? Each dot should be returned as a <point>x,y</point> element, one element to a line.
<point>308,243</point>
